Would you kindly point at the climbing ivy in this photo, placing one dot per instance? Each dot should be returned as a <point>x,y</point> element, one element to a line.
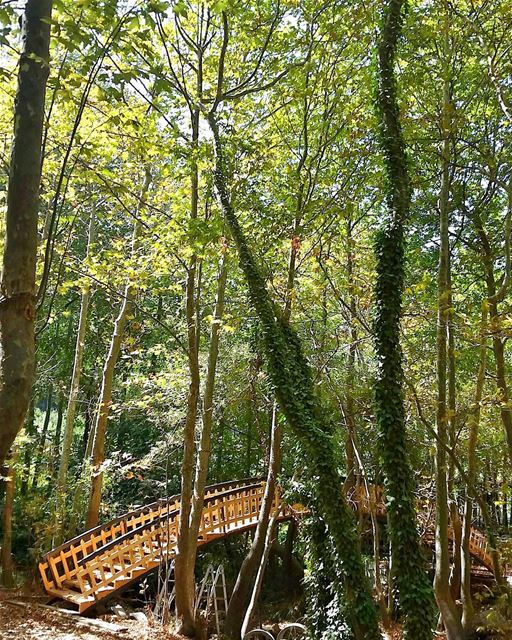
<point>291,376</point>
<point>415,592</point>
<point>325,612</point>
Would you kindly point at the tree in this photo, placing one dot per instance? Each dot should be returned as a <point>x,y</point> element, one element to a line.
<point>18,280</point>
<point>409,568</point>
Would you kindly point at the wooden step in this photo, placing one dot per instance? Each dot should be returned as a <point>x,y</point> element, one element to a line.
<point>74,585</point>
<point>72,596</point>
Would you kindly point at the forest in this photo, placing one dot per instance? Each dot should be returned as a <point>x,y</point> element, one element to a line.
<point>255,311</point>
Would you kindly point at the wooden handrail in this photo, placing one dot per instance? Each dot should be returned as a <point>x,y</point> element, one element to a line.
<point>160,518</point>
<point>104,559</point>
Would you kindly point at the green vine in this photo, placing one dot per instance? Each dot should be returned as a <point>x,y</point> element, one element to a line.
<point>292,380</point>
<point>414,588</point>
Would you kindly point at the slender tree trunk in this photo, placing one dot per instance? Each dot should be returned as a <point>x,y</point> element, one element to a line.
<point>29,446</point>
<point>445,601</point>
<point>239,610</point>
<point>41,442</point>
<point>184,572</point>
<point>498,346</point>
<point>105,399</point>
<point>73,391</point>
<point>411,579</point>
<point>474,424</point>
<point>8,580</point>
<point>18,279</point>
<point>352,466</point>
<point>455,519</point>
<point>57,435</point>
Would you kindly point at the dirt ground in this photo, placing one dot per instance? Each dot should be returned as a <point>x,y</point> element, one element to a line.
<point>36,623</point>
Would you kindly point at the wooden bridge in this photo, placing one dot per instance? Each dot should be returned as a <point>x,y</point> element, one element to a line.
<point>103,560</point>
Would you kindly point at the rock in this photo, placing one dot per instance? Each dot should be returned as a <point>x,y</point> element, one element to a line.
<point>118,610</point>
<point>138,615</point>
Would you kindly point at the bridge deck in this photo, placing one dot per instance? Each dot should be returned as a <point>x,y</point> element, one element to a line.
<point>99,562</point>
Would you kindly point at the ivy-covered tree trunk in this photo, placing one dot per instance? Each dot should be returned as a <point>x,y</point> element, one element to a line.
<point>415,593</point>
<point>18,280</point>
<point>292,380</point>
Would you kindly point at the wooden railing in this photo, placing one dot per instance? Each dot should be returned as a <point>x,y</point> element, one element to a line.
<point>107,558</point>
<point>102,560</point>
<point>363,498</point>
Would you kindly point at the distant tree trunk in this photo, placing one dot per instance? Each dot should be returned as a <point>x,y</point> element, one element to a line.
<point>445,601</point>
<point>8,580</point>
<point>498,345</point>
<point>41,441</point>
<point>29,446</point>
<point>410,573</point>
<point>474,424</point>
<point>57,434</point>
<point>73,391</point>
<point>292,380</point>
<point>18,279</point>
<point>105,399</point>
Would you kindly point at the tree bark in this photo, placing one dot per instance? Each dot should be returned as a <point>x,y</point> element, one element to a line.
<point>105,399</point>
<point>8,580</point>
<point>445,601</point>
<point>18,279</point>
<point>414,590</point>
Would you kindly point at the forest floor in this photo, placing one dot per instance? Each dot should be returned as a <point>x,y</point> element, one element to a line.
<point>29,621</point>
<point>36,623</point>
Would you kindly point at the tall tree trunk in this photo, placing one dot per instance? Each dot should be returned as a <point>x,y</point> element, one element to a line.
<point>18,279</point>
<point>498,345</point>
<point>184,573</point>
<point>105,399</point>
<point>186,570</point>
<point>73,391</point>
<point>411,579</point>
<point>352,466</point>
<point>293,382</point>
<point>456,523</point>
<point>445,601</point>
